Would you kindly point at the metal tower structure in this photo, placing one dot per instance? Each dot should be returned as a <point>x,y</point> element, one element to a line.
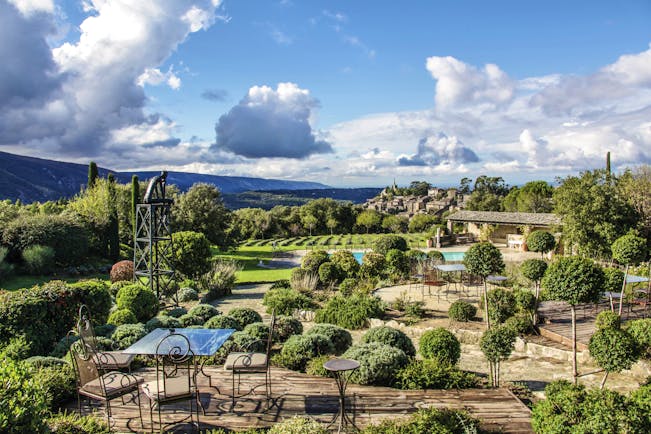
<point>152,250</point>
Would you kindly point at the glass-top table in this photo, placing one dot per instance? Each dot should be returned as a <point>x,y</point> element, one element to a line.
<point>203,342</point>
<point>449,268</point>
<point>636,279</point>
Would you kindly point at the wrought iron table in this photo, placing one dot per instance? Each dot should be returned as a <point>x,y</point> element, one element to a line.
<point>341,369</point>
<point>203,342</point>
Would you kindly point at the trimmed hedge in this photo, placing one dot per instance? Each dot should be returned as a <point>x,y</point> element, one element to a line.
<point>441,344</point>
<point>128,334</point>
<point>286,326</point>
<point>285,301</point>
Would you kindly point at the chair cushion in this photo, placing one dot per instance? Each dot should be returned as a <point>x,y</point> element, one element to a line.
<point>113,359</point>
<point>115,384</point>
<point>246,361</point>
<point>174,388</point>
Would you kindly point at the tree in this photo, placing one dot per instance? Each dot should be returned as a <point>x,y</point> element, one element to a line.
<point>534,270</point>
<point>251,223</point>
<point>113,238</point>
<point>484,259</point>
<point>395,224</point>
<point>534,196</point>
<point>487,194</point>
<point>201,209</point>
<point>135,200</point>
<point>369,218</point>
<point>92,174</point>
<point>497,344</point>
<point>541,241</point>
<point>635,187</point>
<point>332,224</point>
<point>419,188</point>
<point>309,221</point>
<point>628,250</point>
<point>612,348</point>
<point>422,222</point>
<point>594,213</point>
<point>464,185</point>
<point>574,280</point>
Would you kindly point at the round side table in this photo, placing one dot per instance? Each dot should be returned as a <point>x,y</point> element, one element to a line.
<point>341,369</point>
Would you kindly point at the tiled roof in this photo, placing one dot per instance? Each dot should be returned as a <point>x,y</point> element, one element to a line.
<point>511,218</point>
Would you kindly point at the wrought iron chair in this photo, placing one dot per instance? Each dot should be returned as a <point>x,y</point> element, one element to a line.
<point>248,362</point>
<point>96,382</point>
<point>176,376</point>
<point>112,360</point>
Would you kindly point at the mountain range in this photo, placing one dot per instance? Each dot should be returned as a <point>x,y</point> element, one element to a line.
<point>35,179</point>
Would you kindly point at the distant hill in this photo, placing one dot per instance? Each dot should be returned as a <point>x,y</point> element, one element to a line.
<point>269,199</point>
<point>35,179</point>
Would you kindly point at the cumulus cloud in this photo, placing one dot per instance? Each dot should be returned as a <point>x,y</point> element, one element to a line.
<point>72,99</point>
<point>271,123</point>
<point>460,84</point>
<point>439,150</point>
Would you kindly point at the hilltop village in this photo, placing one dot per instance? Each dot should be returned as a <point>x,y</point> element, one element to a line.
<point>436,201</point>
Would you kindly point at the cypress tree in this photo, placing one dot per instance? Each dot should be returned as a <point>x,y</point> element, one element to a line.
<point>135,198</point>
<point>113,238</point>
<point>92,174</point>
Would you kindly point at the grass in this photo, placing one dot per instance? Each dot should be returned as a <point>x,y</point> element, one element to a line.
<point>248,257</point>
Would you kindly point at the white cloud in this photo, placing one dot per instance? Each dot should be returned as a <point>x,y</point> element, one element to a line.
<point>30,7</point>
<point>154,77</point>
<point>439,150</point>
<point>271,123</point>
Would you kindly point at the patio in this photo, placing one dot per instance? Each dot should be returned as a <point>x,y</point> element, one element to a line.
<point>317,397</point>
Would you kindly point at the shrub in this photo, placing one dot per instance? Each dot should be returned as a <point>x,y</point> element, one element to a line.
<point>105,330</point>
<point>128,334</point>
<point>428,420</point>
<point>640,331</point>
<point>350,312</point>
<point>245,315</point>
<point>462,311</point>
<point>346,262</point>
<point>138,299</point>
<point>187,294</point>
<point>62,347</point>
<point>23,404</point>
<point>315,366</point>
<point>258,330</point>
<point>398,263</point>
<point>384,243</point>
<point>285,301</point>
<point>6,269</point>
<point>66,236</point>
<point>122,271</point>
<point>415,308</point>
<point>223,322</point>
<point>204,311</point>
<point>540,241</point>
<point>614,279</point>
<point>115,287</point>
<point>613,349</point>
<point>38,362</point>
<point>340,337</point>
<point>72,423</point>
<point>298,425</point>
<point>38,259</point>
<point>574,280</point>
<point>176,312</point>
<point>440,344</point>
<point>373,265</point>
<point>97,298</point>
<point>629,249</point>
<point>58,384</point>
<point>520,323</point>
<point>533,269</point>
<point>313,260</point>
<point>607,319</point>
<point>347,286</point>
<point>162,322</point>
<point>379,363</point>
<point>189,320</point>
<point>435,255</point>
<point>433,374</point>
<point>122,316</point>
<point>303,280</point>
<point>390,336</point>
<point>497,343</point>
<point>286,326</point>
<point>239,341</point>
<point>501,305</point>
<point>330,273</point>
<point>299,349</point>
<point>219,280</point>
<point>525,300</point>
<point>191,253</point>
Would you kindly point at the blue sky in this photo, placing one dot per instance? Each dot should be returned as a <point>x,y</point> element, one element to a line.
<point>348,93</point>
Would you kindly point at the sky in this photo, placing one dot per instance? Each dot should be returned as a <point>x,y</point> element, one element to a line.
<point>347,93</point>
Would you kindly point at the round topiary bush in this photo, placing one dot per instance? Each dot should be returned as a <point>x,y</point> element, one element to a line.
<point>298,425</point>
<point>347,285</point>
<point>533,269</point>
<point>286,326</point>
<point>313,260</point>
<point>139,300</point>
<point>525,300</point>
<point>462,311</point>
<point>223,322</point>
<point>204,311</point>
<point>285,301</point>
<point>191,253</point>
<point>384,243</point>
<point>122,316</point>
<point>614,279</point>
<point>128,334</point>
<point>346,262</point>
<point>299,349</point>
<point>330,273</point>
<point>435,255</point>
<point>520,323</point>
<point>374,265</point>
<point>390,336</point>
<point>188,294</point>
<point>115,287</point>
<point>540,241</point>
<point>398,263</point>
<point>340,337</point>
<point>613,349</point>
<point>122,271</point>
<point>176,312</point>
<point>640,331</point>
<point>162,322</point>
<point>258,330</point>
<point>379,363</point>
<point>189,320</point>
<point>245,315</point>
<point>441,344</point>
<point>607,319</point>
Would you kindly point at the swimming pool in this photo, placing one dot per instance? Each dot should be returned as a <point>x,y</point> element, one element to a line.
<point>358,256</point>
<point>448,256</point>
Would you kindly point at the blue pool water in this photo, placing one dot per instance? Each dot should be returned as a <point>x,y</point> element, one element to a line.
<point>448,256</point>
<point>358,256</point>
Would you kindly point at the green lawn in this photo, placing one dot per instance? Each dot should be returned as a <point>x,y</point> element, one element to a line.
<point>249,257</point>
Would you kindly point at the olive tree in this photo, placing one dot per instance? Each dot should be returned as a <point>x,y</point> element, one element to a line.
<point>612,348</point>
<point>534,270</point>
<point>628,250</point>
<point>574,280</point>
<point>484,259</point>
<point>541,241</point>
<point>497,344</point>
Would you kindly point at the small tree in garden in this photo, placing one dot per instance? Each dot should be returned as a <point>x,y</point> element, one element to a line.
<point>628,250</point>
<point>574,280</point>
<point>612,348</point>
<point>541,241</point>
<point>534,270</point>
<point>497,345</point>
<point>484,259</point>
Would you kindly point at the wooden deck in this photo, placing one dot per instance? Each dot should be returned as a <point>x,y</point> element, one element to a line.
<point>301,394</point>
<point>556,321</point>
